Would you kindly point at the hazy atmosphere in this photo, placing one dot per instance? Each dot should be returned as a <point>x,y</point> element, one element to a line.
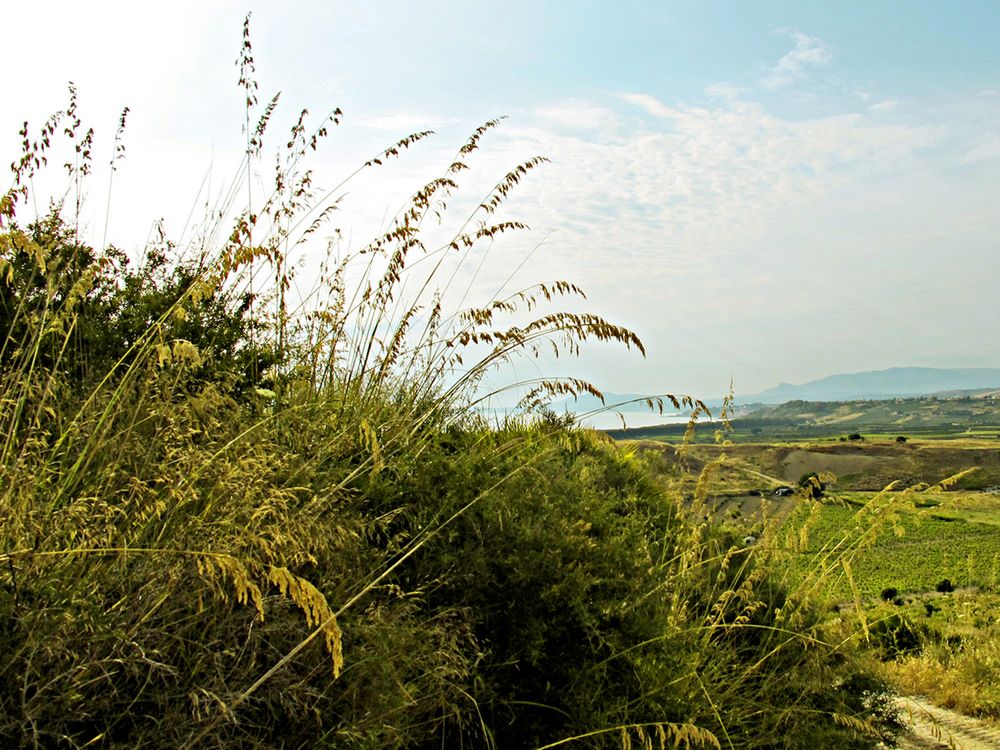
<point>768,192</point>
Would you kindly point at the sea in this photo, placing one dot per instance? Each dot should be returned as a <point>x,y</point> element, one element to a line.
<point>612,420</point>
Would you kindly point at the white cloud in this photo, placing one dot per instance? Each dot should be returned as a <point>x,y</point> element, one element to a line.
<point>651,105</point>
<point>728,91</point>
<point>809,52</point>
<point>886,106</point>
<point>578,114</point>
<point>986,151</point>
<point>726,233</point>
<point>689,207</point>
<point>401,123</point>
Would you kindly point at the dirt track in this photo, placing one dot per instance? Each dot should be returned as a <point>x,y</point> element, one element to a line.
<point>933,728</point>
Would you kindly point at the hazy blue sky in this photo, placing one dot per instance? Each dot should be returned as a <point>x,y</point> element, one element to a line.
<point>762,190</point>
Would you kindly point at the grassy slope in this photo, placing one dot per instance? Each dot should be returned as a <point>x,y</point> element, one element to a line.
<point>856,465</point>
<point>294,535</point>
<point>925,417</point>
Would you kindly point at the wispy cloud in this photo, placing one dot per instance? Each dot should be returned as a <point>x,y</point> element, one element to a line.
<point>729,206</point>
<point>403,122</point>
<point>809,52</point>
<point>986,151</point>
<point>728,91</point>
<point>685,191</point>
<point>887,106</point>
<point>578,114</point>
<point>650,104</point>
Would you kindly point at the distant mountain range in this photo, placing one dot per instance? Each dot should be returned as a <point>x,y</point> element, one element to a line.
<point>896,382</point>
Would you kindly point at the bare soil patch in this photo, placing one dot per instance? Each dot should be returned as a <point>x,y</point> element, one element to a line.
<point>799,462</point>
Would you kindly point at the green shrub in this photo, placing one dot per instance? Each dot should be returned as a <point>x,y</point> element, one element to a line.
<point>895,636</point>
<point>229,528</point>
<point>812,483</point>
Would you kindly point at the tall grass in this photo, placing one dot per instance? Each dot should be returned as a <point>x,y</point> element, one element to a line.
<point>231,517</point>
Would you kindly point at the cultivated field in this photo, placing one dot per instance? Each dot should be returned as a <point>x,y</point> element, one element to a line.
<point>903,544</point>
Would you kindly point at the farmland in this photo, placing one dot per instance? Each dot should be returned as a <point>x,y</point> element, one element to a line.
<point>939,519</point>
<point>961,416</point>
<point>902,547</point>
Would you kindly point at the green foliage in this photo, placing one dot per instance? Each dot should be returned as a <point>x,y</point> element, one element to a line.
<point>89,316</point>
<point>959,664</point>
<point>895,635</point>
<point>892,542</point>
<point>226,528</point>
<point>924,418</point>
<point>813,484</point>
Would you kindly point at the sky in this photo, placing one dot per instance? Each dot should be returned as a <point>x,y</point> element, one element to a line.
<point>765,192</point>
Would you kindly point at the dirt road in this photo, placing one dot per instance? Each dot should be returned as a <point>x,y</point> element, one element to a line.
<point>933,728</point>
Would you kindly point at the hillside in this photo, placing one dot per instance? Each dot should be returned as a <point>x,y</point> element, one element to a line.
<point>896,382</point>
<point>880,384</point>
<point>888,415</point>
<point>928,416</point>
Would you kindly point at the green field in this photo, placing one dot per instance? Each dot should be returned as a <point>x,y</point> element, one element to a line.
<point>875,558</point>
<point>909,538</point>
<point>904,546</point>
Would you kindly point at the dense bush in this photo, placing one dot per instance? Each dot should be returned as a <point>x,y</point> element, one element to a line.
<point>223,529</point>
<point>813,484</point>
<point>566,596</point>
<point>116,310</point>
<point>896,635</point>
<point>888,594</point>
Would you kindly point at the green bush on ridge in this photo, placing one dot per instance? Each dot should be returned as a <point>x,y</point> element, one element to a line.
<point>228,528</point>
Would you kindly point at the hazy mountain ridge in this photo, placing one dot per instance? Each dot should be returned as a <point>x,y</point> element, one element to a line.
<point>896,382</point>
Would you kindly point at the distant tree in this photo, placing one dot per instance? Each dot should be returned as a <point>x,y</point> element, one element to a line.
<point>888,594</point>
<point>813,484</point>
<point>901,439</point>
<point>854,436</point>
